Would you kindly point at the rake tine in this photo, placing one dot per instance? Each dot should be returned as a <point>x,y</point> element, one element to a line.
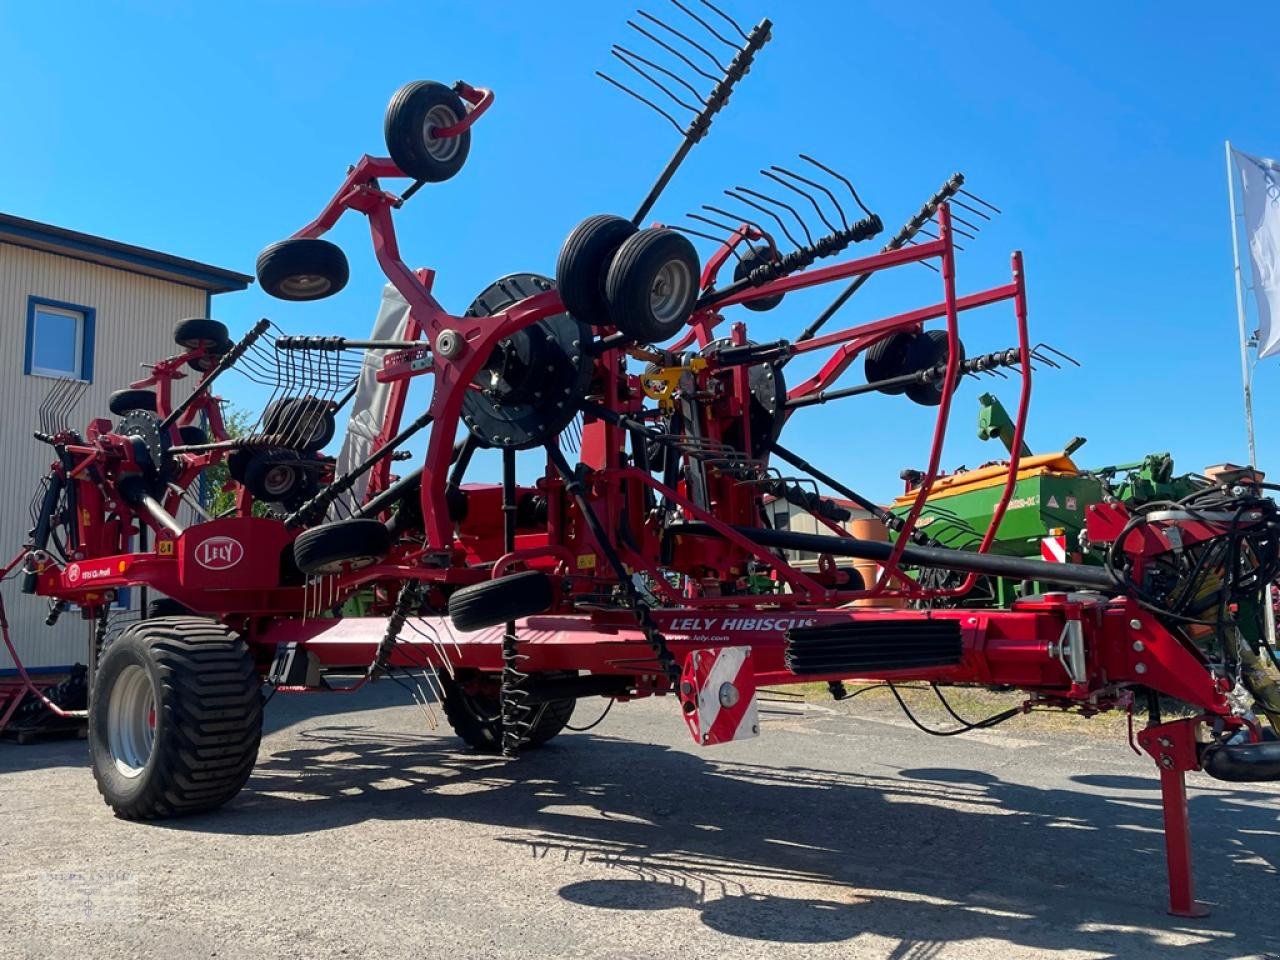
<point>1047,361</point>
<point>688,106</point>
<point>647,102</point>
<point>934,236</point>
<point>821,216</point>
<point>923,263</point>
<point>715,223</point>
<point>724,16</point>
<point>986,203</point>
<point>706,236</point>
<point>747,220</point>
<point>956,218</point>
<point>964,233</point>
<point>756,206</point>
<point>673,51</point>
<point>619,48</point>
<point>786,206</point>
<point>689,40</point>
<point>842,178</point>
<point>1056,352</point>
<point>974,210</point>
<point>816,185</point>
<point>710,29</point>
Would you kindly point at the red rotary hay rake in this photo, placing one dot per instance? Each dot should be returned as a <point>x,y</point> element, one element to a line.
<point>640,560</point>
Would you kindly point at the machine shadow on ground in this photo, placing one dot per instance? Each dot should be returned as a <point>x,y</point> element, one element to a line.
<point>948,853</point>
<point>929,856</point>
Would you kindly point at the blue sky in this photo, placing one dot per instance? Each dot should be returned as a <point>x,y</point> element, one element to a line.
<point>212,130</point>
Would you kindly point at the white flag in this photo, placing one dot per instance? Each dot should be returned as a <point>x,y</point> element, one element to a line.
<point>1261,180</point>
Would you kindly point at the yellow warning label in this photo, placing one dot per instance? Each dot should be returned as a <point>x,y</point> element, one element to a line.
<point>86,519</point>
<point>165,548</point>
<point>587,561</point>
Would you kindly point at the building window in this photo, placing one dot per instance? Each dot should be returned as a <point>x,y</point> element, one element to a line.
<point>59,339</point>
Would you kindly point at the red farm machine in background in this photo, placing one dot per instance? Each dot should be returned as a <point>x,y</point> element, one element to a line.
<point>638,561</point>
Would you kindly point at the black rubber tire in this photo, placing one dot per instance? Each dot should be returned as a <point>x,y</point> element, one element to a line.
<point>478,719</point>
<point>167,607</point>
<point>887,358</point>
<point>208,717</point>
<point>755,257</point>
<point>192,436</point>
<point>493,602</point>
<point>634,274</point>
<point>201,332</point>
<point>237,461</point>
<point>928,350</point>
<point>291,416</point>
<point>583,264</point>
<point>277,476</point>
<point>210,360</point>
<point>414,109</point>
<point>126,401</point>
<point>307,268</point>
<point>341,545</point>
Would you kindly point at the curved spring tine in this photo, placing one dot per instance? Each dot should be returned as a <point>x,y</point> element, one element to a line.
<point>1056,352</point>
<point>1047,361</point>
<point>689,40</point>
<point>977,199</point>
<point>715,223</point>
<point>814,183</point>
<point>740,219</point>
<point>786,206</point>
<point>974,210</point>
<point>619,48</point>
<point>688,106</point>
<point>706,236</point>
<point>933,236</point>
<point>673,51</point>
<point>728,19</point>
<point>755,206</point>
<point>646,101</point>
<point>956,218</point>
<point>710,29</point>
<point>821,216</point>
<point>923,263</point>
<point>842,178</point>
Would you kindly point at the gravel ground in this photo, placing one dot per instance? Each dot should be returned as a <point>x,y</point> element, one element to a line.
<point>835,835</point>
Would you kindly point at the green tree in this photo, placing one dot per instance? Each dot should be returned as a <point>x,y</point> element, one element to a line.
<point>220,500</point>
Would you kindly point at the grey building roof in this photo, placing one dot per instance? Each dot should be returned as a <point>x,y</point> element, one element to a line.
<point>122,256</point>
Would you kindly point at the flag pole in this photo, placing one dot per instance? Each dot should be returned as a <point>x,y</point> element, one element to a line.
<point>1244,342</point>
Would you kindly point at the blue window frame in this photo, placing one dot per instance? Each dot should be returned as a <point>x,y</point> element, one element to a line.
<point>59,339</point>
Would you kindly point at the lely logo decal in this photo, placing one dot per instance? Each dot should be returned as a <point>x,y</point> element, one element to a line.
<point>73,573</point>
<point>219,553</point>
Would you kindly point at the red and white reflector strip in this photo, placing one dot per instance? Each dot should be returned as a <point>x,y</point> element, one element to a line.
<point>718,695</point>
<point>1054,549</point>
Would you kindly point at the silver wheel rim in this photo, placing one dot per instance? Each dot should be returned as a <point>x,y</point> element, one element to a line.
<point>669,294</point>
<point>305,285</point>
<point>279,480</point>
<point>351,563</point>
<point>441,149</point>
<point>131,720</point>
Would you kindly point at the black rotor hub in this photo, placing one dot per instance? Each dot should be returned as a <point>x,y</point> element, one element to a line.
<point>532,384</point>
<point>768,411</point>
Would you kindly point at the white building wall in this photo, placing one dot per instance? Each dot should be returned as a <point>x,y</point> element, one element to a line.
<point>134,319</point>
